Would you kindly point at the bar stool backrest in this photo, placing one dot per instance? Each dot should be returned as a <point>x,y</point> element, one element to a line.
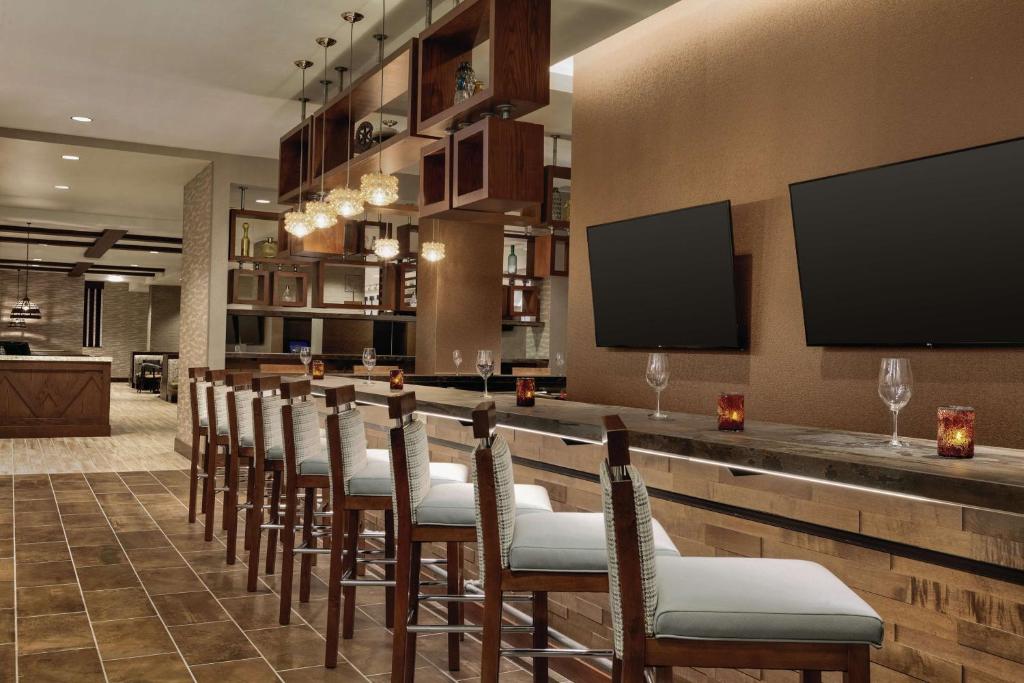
<point>493,492</point>
<point>346,435</point>
<point>632,578</point>
<point>197,396</point>
<point>266,414</point>
<point>239,402</point>
<point>410,457</point>
<point>217,401</point>
<point>300,420</point>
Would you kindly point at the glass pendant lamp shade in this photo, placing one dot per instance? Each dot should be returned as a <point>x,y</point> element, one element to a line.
<point>379,189</point>
<point>432,251</point>
<point>297,223</point>
<point>347,202</point>
<point>321,215</point>
<point>386,248</point>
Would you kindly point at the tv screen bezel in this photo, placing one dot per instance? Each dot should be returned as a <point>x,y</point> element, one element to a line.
<point>882,344</point>
<point>742,342</point>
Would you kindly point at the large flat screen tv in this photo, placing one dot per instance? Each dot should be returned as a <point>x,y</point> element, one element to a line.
<point>665,281</point>
<point>922,252</point>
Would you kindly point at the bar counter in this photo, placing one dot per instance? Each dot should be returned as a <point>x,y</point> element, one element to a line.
<point>936,546</point>
<point>54,396</point>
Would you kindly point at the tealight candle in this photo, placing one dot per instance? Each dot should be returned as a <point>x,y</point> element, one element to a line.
<point>396,378</point>
<point>730,412</point>
<point>318,369</point>
<point>526,392</point>
<point>956,432</point>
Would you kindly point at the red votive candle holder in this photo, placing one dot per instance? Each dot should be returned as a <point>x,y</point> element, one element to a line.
<point>526,392</point>
<point>956,432</point>
<point>396,378</point>
<point>730,412</point>
<point>318,369</point>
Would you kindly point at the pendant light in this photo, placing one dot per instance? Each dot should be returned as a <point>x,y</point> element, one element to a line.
<point>348,201</point>
<point>387,247</point>
<point>433,251</point>
<point>320,213</point>
<point>380,188</point>
<point>296,222</point>
<point>24,309</point>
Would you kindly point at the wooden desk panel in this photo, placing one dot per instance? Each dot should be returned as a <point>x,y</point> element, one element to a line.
<point>54,397</point>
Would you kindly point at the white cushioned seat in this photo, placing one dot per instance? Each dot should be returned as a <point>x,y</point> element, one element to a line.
<point>454,504</point>
<point>374,479</point>
<point>757,599</point>
<point>246,442</point>
<point>569,542</point>
<point>315,466</point>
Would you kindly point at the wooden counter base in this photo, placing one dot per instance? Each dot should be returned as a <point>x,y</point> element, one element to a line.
<point>54,398</point>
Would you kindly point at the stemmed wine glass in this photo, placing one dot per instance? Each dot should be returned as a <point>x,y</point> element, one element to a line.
<point>559,363</point>
<point>657,378</point>
<point>895,386</point>
<point>305,355</point>
<point>369,360</point>
<point>457,359</point>
<point>485,366</point>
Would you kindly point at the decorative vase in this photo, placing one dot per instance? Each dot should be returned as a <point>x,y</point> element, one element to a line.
<point>512,266</point>
<point>266,248</point>
<point>246,245</point>
<point>465,82</point>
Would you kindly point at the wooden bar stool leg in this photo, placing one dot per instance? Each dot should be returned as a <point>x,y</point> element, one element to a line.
<point>389,569</point>
<point>616,670</point>
<point>810,676</point>
<point>540,636</point>
<point>404,584</point>
<point>308,542</point>
<point>288,553</point>
<point>663,674</point>
<point>349,564</point>
<point>858,667</point>
<point>414,608</point>
<point>231,506</point>
<point>490,656</point>
<point>250,498</point>
<point>229,474</point>
<point>454,588</point>
<point>193,477</point>
<point>254,520</point>
<point>338,525</point>
<point>275,518</point>
<point>210,489</point>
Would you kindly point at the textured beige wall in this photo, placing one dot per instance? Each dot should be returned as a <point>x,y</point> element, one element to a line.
<point>712,100</point>
<point>125,325</point>
<point>164,317</point>
<point>60,299</point>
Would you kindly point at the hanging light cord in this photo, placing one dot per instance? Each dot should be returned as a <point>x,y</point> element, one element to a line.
<point>383,37</point>
<point>302,147</point>
<point>348,147</point>
<point>323,137</point>
<point>28,238</point>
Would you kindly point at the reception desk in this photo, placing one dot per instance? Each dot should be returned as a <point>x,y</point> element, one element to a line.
<point>936,546</point>
<point>54,396</point>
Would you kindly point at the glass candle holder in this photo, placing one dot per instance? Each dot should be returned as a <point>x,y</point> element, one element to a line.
<point>956,432</point>
<point>526,392</point>
<point>730,412</point>
<point>396,378</point>
<point>318,369</point>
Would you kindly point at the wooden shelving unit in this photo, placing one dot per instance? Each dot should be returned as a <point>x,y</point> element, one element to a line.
<point>497,166</point>
<point>518,33</point>
<point>435,194</point>
<point>552,174</point>
<point>294,146</point>
<point>549,255</point>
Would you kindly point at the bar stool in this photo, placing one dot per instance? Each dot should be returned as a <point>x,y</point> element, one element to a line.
<point>305,468</point>
<point>265,406</point>
<point>720,612</point>
<point>538,553</point>
<point>360,482</point>
<point>424,513</point>
<point>200,420</point>
<point>241,449</point>
<point>217,438</point>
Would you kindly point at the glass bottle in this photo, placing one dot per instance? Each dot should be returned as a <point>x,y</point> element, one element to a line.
<point>465,82</point>
<point>246,245</point>
<point>512,267</point>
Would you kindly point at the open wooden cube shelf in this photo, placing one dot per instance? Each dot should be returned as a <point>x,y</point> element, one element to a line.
<point>294,153</point>
<point>435,177</point>
<point>498,166</point>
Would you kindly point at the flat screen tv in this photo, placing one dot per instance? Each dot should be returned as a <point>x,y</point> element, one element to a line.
<point>917,253</point>
<point>665,281</point>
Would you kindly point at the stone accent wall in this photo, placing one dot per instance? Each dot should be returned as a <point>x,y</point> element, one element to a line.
<point>60,299</point>
<point>125,325</point>
<point>193,347</point>
<point>164,317</point>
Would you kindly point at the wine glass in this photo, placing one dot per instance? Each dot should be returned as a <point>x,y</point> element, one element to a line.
<point>485,366</point>
<point>657,378</point>
<point>457,359</point>
<point>895,386</point>
<point>305,355</point>
<point>369,360</point>
<point>559,363</point>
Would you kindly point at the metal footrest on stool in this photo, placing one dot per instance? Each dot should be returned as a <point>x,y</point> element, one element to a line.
<point>553,652</point>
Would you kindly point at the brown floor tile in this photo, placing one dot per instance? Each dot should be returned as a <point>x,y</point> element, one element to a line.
<point>343,673</point>
<point>45,573</point>
<point>178,609</point>
<point>168,668</point>
<point>77,666</point>
<point>91,536</point>
<point>426,674</point>
<point>7,662</point>
<point>43,552</point>
<point>36,518</point>
<point>39,534</point>
<point>7,569</point>
<point>85,507</point>
<point>244,671</point>
<point>314,613</point>
<point>74,496</point>
<point>211,561</point>
<point>54,632</point>
<point>132,509</point>
<point>133,540</point>
<point>289,647</point>
<point>125,523</point>
<point>146,489</point>
<point>7,625</point>
<point>6,547</point>
<point>170,580</point>
<point>132,638</point>
<point>107,577</point>
<point>155,558</point>
<point>370,651</point>
<point>44,505</point>
<point>216,642</point>
<point>192,542</point>
<point>108,487</point>
<point>97,555</point>
<point>254,611</point>
<point>6,595</point>
<point>123,603</point>
<point>41,600</point>
<point>230,584</point>
<point>83,521</point>
<point>124,497</point>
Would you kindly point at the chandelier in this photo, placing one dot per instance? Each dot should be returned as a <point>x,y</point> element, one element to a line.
<point>380,188</point>
<point>348,201</point>
<point>386,247</point>
<point>296,222</point>
<point>432,251</point>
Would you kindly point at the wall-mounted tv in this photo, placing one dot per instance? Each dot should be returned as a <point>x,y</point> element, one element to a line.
<point>921,252</point>
<point>666,281</point>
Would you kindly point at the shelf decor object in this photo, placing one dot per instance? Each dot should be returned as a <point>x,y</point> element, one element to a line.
<point>347,201</point>
<point>554,211</point>
<point>258,226</point>
<point>248,287</point>
<point>289,288</point>
<point>396,379</point>
<point>956,432</point>
<point>320,213</point>
<point>318,369</point>
<point>517,34</point>
<point>526,392</point>
<point>730,413</point>
<point>380,188</point>
<point>297,222</point>
<point>498,166</point>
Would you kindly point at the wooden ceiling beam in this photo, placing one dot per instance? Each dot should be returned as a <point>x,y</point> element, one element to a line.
<point>104,242</point>
<point>146,247</point>
<point>78,270</point>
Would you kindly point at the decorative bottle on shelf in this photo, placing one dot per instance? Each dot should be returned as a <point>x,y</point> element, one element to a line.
<point>465,82</point>
<point>512,267</point>
<point>246,245</point>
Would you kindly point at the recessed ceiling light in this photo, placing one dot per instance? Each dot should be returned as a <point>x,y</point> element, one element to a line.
<point>62,187</point>
<point>81,119</point>
<point>135,265</point>
<point>154,252</point>
<point>115,278</point>
<point>262,201</point>
<point>69,157</point>
<point>37,259</point>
